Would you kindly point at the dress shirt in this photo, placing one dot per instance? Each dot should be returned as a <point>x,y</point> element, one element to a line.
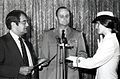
<point>16,38</point>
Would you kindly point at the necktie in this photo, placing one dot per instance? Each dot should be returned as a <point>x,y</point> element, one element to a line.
<point>63,34</point>
<point>64,39</point>
<point>25,58</point>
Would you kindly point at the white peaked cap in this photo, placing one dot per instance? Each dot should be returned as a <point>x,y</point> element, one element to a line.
<point>105,13</point>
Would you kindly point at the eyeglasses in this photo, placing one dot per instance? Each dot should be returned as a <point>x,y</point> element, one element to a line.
<point>24,22</point>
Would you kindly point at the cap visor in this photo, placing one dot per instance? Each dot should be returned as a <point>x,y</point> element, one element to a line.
<point>103,17</point>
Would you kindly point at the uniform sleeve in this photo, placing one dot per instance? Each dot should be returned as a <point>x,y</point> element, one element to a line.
<point>44,46</point>
<point>81,46</point>
<point>102,56</point>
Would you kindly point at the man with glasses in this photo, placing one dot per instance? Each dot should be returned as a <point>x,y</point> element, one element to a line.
<point>16,55</point>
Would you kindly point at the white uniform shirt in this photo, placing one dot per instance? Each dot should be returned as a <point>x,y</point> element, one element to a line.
<point>105,60</point>
<point>15,37</point>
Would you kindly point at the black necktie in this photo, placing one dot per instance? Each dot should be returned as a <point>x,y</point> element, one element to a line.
<point>64,39</point>
<point>25,57</point>
<point>63,34</point>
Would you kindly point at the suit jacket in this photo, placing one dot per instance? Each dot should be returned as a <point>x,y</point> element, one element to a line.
<point>11,59</point>
<point>50,47</point>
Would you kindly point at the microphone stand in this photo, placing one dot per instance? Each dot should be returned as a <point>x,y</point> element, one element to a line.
<point>64,68</point>
<point>63,56</point>
<point>63,43</point>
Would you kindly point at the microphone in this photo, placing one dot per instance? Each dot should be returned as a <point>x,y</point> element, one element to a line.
<point>58,39</point>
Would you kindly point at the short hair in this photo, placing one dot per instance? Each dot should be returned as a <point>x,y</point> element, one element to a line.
<point>62,7</point>
<point>14,16</point>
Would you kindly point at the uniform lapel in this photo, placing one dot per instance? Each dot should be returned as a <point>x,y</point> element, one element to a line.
<point>69,33</point>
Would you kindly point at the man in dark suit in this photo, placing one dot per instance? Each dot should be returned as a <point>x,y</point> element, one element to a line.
<point>16,62</point>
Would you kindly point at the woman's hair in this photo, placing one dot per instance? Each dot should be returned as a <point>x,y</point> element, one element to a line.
<point>110,24</point>
<point>114,26</point>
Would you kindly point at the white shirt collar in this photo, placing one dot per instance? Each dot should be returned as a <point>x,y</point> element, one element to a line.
<point>15,37</point>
